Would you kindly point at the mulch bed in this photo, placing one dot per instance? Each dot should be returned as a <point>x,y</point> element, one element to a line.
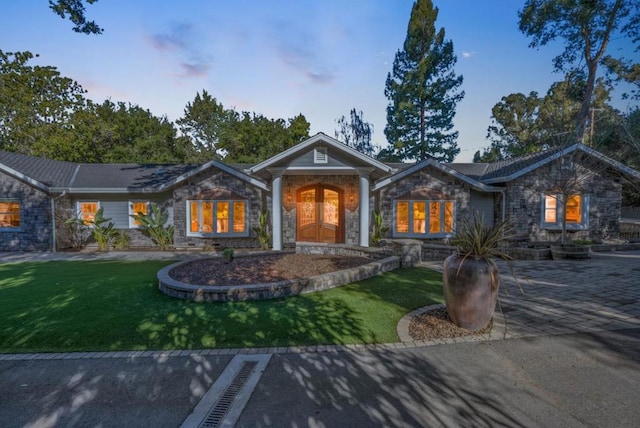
<point>262,268</point>
<point>435,324</point>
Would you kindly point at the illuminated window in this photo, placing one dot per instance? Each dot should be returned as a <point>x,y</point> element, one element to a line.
<point>424,218</point>
<point>135,208</point>
<point>217,218</point>
<point>88,210</point>
<point>9,215</point>
<point>575,211</point>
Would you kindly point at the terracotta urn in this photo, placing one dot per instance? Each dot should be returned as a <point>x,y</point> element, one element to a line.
<point>470,290</point>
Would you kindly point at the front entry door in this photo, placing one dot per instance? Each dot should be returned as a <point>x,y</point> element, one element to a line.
<point>320,214</point>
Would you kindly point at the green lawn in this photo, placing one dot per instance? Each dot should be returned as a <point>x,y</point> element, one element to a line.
<point>115,305</point>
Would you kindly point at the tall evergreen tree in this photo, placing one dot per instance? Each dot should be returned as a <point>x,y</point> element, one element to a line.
<point>423,91</point>
<point>355,132</point>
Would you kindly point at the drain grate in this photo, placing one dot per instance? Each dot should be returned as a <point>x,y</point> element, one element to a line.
<point>218,412</point>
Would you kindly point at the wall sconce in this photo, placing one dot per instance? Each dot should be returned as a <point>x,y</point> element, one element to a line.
<point>352,201</point>
<point>287,201</point>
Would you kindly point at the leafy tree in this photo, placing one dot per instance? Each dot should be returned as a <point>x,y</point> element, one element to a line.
<point>208,124</point>
<point>355,132</point>
<point>423,91</point>
<point>586,26</point>
<point>36,103</point>
<point>523,124</point>
<point>75,10</point>
<point>221,133</point>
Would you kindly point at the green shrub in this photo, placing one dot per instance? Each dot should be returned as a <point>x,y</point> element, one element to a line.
<point>379,230</point>
<point>264,237</point>
<point>153,224</point>
<point>227,254</point>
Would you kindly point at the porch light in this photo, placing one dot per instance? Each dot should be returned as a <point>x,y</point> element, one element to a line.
<point>287,201</point>
<point>352,201</point>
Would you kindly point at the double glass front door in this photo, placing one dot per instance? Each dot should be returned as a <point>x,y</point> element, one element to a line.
<point>320,214</point>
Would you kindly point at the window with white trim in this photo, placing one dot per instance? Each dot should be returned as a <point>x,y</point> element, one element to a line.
<point>217,218</point>
<point>135,208</point>
<point>423,218</point>
<point>9,215</point>
<point>576,209</point>
<point>87,210</point>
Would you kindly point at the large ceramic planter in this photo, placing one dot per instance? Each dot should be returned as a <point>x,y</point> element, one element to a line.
<point>559,252</point>
<point>470,290</point>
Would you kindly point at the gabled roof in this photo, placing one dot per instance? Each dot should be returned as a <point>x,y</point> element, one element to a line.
<point>38,172</point>
<point>510,169</point>
<point>50,175</point>
<point>430,162</point>
<point>378,168</point>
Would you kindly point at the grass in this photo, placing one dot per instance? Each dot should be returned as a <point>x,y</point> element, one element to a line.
<point>115,305</point>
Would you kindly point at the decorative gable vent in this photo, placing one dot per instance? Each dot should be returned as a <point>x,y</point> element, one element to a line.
<point>320,155</point>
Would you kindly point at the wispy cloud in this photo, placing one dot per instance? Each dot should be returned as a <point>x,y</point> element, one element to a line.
<point>296,48</point>
<point>182,41</point>
<point>468,54</point>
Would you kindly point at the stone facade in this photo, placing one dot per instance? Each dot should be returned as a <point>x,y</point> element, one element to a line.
<point>35,232</point>
<point>215,178</point>
<point>348,183</point>
<point>430,178</point>
<point>525,195</point>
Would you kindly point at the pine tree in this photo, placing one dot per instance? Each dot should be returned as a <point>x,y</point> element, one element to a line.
<point>423,91</point>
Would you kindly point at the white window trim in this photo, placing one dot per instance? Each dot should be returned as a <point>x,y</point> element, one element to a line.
<point>132,221</point>
<point>12,228</point>
<point>215,232</point>
<point>86,201</point>
<point>584,213</point>
<point>426,235</point>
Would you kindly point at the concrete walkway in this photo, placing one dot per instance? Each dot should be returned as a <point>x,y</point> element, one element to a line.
<point>572,359</point>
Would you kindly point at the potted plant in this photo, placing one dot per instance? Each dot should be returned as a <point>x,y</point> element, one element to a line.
<point>470,276</point>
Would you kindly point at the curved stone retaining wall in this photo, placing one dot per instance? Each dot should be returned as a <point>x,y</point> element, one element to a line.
<point>223,293</point>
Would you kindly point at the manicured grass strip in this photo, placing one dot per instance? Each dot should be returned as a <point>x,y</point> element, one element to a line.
<point>115,305</point>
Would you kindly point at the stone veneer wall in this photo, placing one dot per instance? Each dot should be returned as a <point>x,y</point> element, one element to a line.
<point>349,183</point>
<point>216,179</point>
<point>426,178</point>
<point>35,233</point>
<point>524,204</point>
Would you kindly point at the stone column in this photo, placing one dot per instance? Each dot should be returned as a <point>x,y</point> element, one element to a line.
<point>364,209</point>
<point>276,212</point>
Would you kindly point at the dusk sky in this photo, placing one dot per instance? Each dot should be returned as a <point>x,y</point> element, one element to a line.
<point>281,58</point>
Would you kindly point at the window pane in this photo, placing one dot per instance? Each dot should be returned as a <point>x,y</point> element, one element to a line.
<point>419,217</point>
<point>402,217</point>
<point>88,211</point>
<point>574,209</point>
<point>238,217</point>
<point>194,226</point>
<point>550,210</point>
<point>9,214</point>
<point>222,217</point>
<point>434,217</point>
<point>138,208</point>
<point>207,217</point>
<point>307,207</point>
<point>330,207</point>
<point>448,217</point>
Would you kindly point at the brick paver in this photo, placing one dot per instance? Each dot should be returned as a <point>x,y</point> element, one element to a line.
<point>559,297</point>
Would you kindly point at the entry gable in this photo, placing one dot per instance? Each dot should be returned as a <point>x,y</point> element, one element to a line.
<point>320,154</point>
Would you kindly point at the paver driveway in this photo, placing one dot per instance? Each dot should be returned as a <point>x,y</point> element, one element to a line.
<point>601,293</point>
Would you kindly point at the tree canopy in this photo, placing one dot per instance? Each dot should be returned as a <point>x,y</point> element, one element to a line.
<point>355,132</point>
<point>523,124</point>
<point>75,11</point>
<point>423,91</point>
<point>586,27</point>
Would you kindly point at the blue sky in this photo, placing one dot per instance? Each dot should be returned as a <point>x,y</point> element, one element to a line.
<point>281,58</point>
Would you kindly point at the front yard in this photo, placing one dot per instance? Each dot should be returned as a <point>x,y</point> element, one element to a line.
<point>115,305</point>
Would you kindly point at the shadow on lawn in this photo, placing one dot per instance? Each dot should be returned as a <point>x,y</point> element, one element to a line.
<point>283,322</point>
